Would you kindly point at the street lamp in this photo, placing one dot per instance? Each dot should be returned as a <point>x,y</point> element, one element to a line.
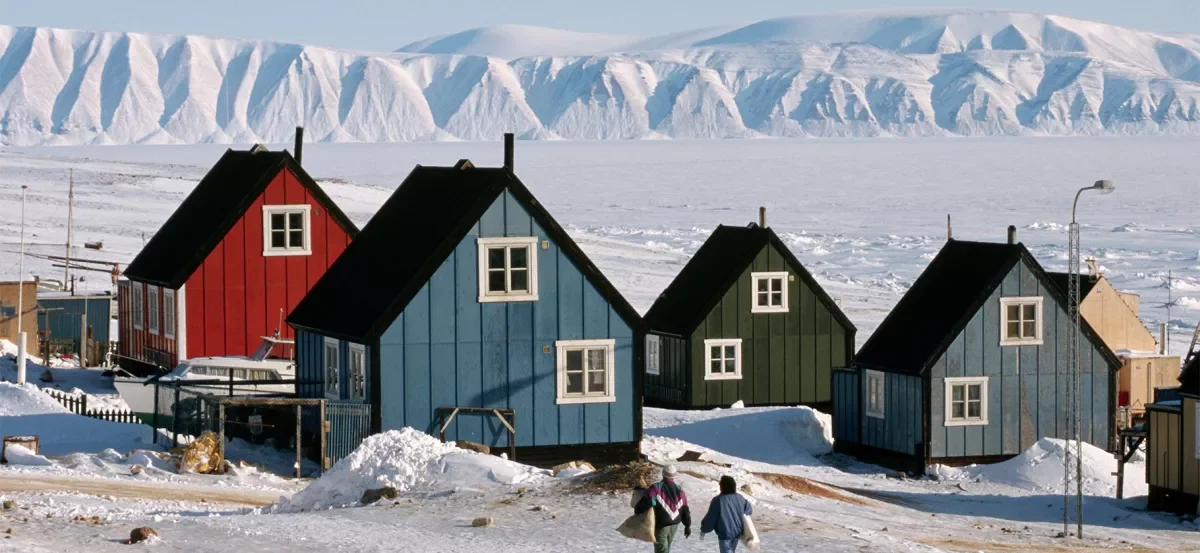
<point>1073,460</point>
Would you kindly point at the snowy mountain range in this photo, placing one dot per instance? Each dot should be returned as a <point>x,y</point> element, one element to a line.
<point>849,74</point>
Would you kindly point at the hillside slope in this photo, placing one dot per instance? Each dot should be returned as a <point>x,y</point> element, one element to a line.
<point>854,74</point>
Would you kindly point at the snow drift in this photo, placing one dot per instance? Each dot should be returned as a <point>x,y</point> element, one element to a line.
<point>1040,469</point>
<point>25,410</point>
<point>404,459</point>
<point>855,74</point>
<point>781,436</point>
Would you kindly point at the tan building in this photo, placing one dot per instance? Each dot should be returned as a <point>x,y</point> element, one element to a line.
<point>1114,316</point>
<point>9,292</point>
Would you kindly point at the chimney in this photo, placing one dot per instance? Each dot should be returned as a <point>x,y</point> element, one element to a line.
<point>299,144</point>
<point>508,151</point>
<point>762,216</point>
<point>1012,234</point>
<point>1162,338</point>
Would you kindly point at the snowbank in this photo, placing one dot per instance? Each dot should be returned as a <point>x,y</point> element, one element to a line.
<point>403,459</point>
<point>1040,469</point>
<point>26,410</point>
<point>776,435</point>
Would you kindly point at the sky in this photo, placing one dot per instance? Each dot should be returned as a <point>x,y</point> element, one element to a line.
<point>388,25</point>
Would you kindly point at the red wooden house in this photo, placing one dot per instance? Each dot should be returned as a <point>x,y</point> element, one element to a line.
<point>228,266</point>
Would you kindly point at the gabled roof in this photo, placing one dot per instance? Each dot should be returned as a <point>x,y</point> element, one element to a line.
<point>1062,281</point>
<point>713,269</point>
<point>211,210</point>
<point>942,301</point>
<point>1189,377</point>
<point>409,238</point>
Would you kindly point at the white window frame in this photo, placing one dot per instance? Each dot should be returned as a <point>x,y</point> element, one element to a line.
<point>877,411</point>
<point>756,307</point>
<point>137,293</point>
<point>359,351</point>
<point>951,382</point>
<point>530,242</point>
<point>336,391</point>
<point>653,361</point>
<point>153,313</point>
<point>168,309</point>
<point>561,348</point>
<point>1005,340</point>
<point>269,210</point>
<point>708,358</point>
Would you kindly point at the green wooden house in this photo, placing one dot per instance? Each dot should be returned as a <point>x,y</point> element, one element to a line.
<point>744,321</point>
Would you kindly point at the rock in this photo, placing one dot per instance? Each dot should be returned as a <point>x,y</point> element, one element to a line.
<point>690,456</point>
<point>47,376</point>
<point>540,508</point>
<point>472,446</point>
<point>9,531</point>
<point>136,469</point>
<point>371,496</point>
<point>483,522</point>
<point>522,491</point>
<point>9,504</point>
<point>572,465</point>
<point>747,489</point>
<point>202,456</point>
<point>139,535</point>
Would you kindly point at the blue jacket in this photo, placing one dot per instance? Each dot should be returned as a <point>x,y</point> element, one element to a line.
<point>725,516</point>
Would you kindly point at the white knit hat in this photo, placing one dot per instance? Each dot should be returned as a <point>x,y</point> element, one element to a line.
<point>670,471</point>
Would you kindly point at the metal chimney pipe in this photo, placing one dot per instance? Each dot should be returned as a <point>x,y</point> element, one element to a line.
<point>1012,234</point>
<point>949,229</point>
<point>762,216</point>
<point>1162,338</point>
<point>298,154</point>
<point>508,151</point>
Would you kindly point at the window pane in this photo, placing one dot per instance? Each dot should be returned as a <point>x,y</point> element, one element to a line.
<point>956,411</point>
<point>973,410</point>
<point>1013,330</point>
<point>777,299</point>
<point>296,239</point>
<point>278,221</point>
<point>1014,312</point>
<point>1028,312</point>
<point>716,366</point>
<point>495,281</point>
<point>574,383</point>
<point>763,284</point>
<point>714,352</point>
<point>520,280</point>
<point>957,393</point>
<point>777,285</point>
<point>973,392</point>
<point>730,366</point>
<point>596,382</point>
<point>519,258</point>
<point>295,221</point>
<point>278,239</point>
<point>495,258</point>
<point>596,359</point>
<point>575,360</point>
<point>1030,330</point>
<point>730,352</point>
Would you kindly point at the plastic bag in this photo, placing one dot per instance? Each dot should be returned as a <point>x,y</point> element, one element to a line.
<point>749,533</point>
<point>639,527</point>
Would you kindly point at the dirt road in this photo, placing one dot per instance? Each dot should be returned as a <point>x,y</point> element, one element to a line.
<point>137,490</point>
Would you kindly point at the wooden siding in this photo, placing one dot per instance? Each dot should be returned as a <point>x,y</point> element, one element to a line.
<point>1026,384</point>
<point>1189,461</point>
<point>238,295</point>
<point>847,406</point>
<point>9,292</point>
<point>1164,447</point>
<point>1115,320</point>
<point>447,349</point>
<point>141,345</point>
<point>900,428</point>
<point>62,317</point>
<point>668,387</point>
<point>787,358</point>
<point>310,367</point>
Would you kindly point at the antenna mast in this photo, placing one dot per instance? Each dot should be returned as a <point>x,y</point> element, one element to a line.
<point>70,218</point>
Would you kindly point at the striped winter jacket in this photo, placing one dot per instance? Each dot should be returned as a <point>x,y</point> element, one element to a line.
<point>669,503</point>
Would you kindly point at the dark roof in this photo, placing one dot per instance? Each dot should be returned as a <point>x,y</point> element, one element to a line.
<point>211,210</point>
<point>1060,280</point>
<point>713,269</point>
<point>943,299</point>
<point>409,238</point>
<point>1189,377</point>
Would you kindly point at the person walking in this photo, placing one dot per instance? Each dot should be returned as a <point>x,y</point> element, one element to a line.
<point>726,516</point>
<point>670,509</point>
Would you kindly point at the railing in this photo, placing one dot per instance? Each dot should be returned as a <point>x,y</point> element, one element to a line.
<point>79,406</point>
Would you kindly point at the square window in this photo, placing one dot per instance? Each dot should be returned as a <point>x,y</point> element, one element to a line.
<point>770,292</point>
<point>358,372</point>
<point>1021,321</point>
<point>508,269</point>
<point>652,359</point>
<point>286,230</point>
<point>724,359</point>
<point>966,401</point>
<point>875,393</point>
<point>585,371</point>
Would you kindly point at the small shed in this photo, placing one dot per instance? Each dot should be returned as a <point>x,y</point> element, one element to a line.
<point>1173,454</point>
<point>1114,316</point>
<point>62,316</point>
<point>744,321</point>
<point>10,293</point>
<point>463,296</point>
<point>971,366</point>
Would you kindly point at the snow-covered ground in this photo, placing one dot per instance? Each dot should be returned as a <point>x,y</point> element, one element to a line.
<point>865,216</point>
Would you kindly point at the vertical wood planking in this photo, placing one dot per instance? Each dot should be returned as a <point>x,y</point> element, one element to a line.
<point>443,337</point>
<point>469,336</point>
<point>276,283</point>
<point>545,317</point>
<point>806,392</point>
<point>417,410</point>
<point>570,327</point>
<point>214,309</point>
<point>621,413</point>
<point>822,368</point>
<point>297,265</point>
<point>238,337</point>
<point>254,287</point>
<point>595,325</point>
<point>734,390</point>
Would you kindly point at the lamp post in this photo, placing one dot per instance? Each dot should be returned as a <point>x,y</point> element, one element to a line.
<point>1073,461</point>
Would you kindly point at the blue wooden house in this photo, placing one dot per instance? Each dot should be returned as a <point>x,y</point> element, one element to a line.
<point>61,318</point>
<point>972,366</point>
<point>463,292</point>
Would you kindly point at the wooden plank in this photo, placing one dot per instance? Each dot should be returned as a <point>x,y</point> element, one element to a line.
<point>254,287</point>
<point>595,325</point>
<point>418,412</point>
<point>571,327</point>
<point>937,413</point>
<point>237,338</point>
<point>955,357</point>
<point>517,221</point>
<point>214,308</point>
<point>621,413</point>
<point>391,384</point>
<point>824,321</point>
<point>468,333</point>
<point>297,265</point>
<point>494,374</point>
<point>698,392</point>
<point>443,352</point>
<point>1010,404</point>
<point>807,391</point>
<point>545,331</point>
<point>973,345</point>
<point>731,390</point>
<point>792,375</point>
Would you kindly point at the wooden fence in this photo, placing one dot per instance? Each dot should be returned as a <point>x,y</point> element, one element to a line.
<point>79,406</point>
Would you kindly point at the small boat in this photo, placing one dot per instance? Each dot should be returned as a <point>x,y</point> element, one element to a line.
<point>262,373</point>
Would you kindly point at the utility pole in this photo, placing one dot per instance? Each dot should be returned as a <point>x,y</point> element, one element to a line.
<point>21,295</point>
<point>70,217</point>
